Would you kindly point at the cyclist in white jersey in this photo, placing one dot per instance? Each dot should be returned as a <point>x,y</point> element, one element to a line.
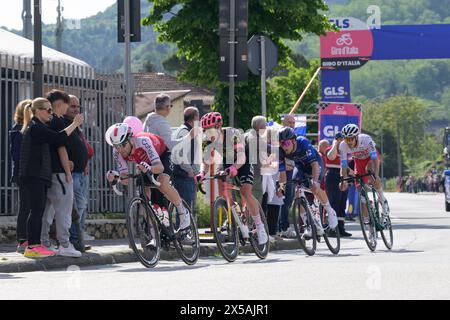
<point>362,148</point>
<point>150,154</point>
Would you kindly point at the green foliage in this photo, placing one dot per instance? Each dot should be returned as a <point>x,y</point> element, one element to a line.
<point>391,185</point>
<point>96,43</point>
<point>427,79</point>
<point>285,90</point>
<point>194,31</point>
<point>203,212</point>
<point>412,117</point>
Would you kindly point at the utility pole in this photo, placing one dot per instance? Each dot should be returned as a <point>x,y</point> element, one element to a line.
<point>231,75</point>
<point>263,77</point>
<point>37,63</point>
<point>27,30</point>
<point>59,27</point>
<point>399,155</point>
<point>128,78</point>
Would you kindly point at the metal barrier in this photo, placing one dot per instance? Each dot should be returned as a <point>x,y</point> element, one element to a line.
<point>102,98</point>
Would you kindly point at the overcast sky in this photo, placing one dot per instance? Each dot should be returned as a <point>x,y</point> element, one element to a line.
<point>11,10</point>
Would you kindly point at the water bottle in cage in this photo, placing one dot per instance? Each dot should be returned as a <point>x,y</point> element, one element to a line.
<point>161,214</point>
<point>165,220</point>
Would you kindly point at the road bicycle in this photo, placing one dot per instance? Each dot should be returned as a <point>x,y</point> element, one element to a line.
<point>232,226</point>
<point>372,219</point>
<point>147,232</point>
<point>310,220</point>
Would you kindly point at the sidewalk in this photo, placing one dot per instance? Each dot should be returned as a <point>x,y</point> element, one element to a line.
<point>106,252</point>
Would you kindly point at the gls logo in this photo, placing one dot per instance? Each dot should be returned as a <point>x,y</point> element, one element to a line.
<point>341,23</point>
<point>330,131</point>
<point>333,91</point>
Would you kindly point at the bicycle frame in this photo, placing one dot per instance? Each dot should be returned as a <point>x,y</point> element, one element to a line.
<point>375,215</point>
<point>302,190</point>
<point>365,197</point>
<point>169,232</point>
<point>226,192</point>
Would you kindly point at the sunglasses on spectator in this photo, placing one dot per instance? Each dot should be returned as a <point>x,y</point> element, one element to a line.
<point>49,110</point>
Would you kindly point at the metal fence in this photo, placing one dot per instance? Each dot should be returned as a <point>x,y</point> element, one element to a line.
<point>102,99</point>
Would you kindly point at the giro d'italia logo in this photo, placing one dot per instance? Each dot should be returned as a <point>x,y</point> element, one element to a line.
<point>346,50</point>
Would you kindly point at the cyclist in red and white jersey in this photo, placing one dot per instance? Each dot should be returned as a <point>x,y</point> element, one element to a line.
<point>150,154</point>
<point>362,148</point>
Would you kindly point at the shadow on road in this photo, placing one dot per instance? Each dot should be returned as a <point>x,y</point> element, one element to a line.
<point>4,276</point>
<point>266,261</point>
<point>421,218</point>
<point>403,251</point>
<point>419,226</point>
<point>339,255</point>
<point>164,269</point>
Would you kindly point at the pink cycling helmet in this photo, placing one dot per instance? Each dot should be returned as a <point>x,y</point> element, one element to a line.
<point>211,119</point>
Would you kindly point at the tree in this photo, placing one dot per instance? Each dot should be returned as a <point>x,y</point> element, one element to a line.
<point>147,66</point>
<point>193,28</point>
<point>412,117</point>
<point>285,90</point>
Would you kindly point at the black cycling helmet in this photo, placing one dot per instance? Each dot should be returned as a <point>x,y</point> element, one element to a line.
<point>286,134</point>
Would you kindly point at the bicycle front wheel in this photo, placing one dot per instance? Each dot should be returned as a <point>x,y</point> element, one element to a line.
<point>261,250</point>
<point>143,232</point>
<point>331,236</point>
<point>366,220</point>
<point>187,242</point>
<point>305,227</point>
<point>386,233</point>
<point>225,230</point>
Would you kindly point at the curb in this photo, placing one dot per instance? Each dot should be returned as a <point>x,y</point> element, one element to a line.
<point>122,256</point>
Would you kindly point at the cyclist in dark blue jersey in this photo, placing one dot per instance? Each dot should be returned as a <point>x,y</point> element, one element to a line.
<point>308,165</point>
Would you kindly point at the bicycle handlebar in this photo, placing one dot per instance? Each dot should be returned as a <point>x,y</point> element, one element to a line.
<point>118,178</point>
<point>216,176</point>
<point>356,177</point>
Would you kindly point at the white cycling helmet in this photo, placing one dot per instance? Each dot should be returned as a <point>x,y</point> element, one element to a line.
<point>118,133</point>
<point>350,130</point>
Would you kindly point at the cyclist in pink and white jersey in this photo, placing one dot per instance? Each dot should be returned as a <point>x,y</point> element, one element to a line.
<point>362,148</point>
<point>151,155</point>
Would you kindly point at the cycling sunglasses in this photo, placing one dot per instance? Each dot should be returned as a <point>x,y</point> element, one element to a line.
<point>286,143</point>
<point>120,145</point>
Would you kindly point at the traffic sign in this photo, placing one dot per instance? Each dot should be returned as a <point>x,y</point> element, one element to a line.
<point>254,55</point>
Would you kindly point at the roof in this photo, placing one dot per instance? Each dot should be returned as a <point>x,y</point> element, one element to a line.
<point>161,82</point>
<point>144,102</point>
<point>17,47</point>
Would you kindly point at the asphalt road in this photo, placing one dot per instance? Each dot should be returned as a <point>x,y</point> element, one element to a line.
<point>418,267</point>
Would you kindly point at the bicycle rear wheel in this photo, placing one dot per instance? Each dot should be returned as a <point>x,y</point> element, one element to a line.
<point>225,230</point>
<point>331,236</point>
<point>366,220</point>
<point>186,242</point>
<point>305,227</point>
<point>262,250</point>
<point>143,232</point>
